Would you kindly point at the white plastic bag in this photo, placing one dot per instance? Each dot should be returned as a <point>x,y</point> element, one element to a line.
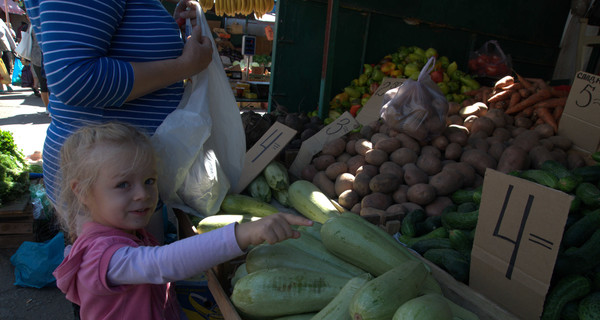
<point>24,47</point>
<point>201,145</point>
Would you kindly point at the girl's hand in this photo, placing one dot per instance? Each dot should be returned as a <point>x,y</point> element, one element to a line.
<point>271,229</point>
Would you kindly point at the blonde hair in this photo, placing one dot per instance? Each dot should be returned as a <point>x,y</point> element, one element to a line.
<point>81,161</point>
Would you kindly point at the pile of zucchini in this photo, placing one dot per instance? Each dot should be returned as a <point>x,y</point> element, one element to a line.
<point>574,293</point>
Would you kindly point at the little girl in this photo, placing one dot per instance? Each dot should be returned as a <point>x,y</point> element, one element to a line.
<point>115,270</point>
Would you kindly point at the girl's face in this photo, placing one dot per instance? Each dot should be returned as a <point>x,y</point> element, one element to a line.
<point>123,197</point>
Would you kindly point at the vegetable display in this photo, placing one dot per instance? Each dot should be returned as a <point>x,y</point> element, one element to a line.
<point>14,170</point>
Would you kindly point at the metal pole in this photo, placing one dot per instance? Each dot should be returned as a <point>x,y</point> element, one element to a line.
<point>6,12</point>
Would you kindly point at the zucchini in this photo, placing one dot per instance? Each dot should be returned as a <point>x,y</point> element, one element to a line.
<point>408,227</point>
<point>259,189</point>
<point>243,204</point>
<point>596,156</point>
<point>303,316</point>
<point>541,177</point>
<point>282,197</point>
<point>430,285</point>
<point>314,230</point>
<point>239,273</point>
<point>276,175</point>
<point>450,260</point>
<point>220,220</point>
<point>423,245</point>
<point>338,307</point>
<point>285,291</point>
<point>569,288</point>
<point>459,312</point>
<point>588,173</point>
<point>382,296</point>
<point>426,307</point>
<point>581,230</point>
<point>589,194</point>
<point>460,220</point>
<point>363,244</point>
<point>589,307</point>
<point>305,197</point>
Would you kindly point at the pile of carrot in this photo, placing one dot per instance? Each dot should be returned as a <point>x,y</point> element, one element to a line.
<point>523,97</point>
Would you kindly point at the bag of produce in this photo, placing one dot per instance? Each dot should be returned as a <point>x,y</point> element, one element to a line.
<point>490,61</point>
<point>417,108</point>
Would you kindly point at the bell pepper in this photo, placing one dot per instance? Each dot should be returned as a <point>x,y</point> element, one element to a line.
<point>367,69</point>
<point>354,109</point>
<point>377,75</point>
<point>452,68</point>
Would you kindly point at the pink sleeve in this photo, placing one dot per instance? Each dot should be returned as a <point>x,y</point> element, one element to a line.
<point>177,261</point>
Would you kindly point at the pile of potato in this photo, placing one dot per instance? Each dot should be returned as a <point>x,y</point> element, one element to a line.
<point>382,174</point>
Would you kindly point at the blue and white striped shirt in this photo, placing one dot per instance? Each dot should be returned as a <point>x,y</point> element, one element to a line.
<point>87,46</point>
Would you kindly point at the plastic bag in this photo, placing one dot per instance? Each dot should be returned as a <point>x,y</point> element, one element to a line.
<point>490,61</point>
<point>26,77</point>
<point>24,47</point>
<point>35,261</point>
<point>16,76</point>
<point>201,145</point>
<point>416,108</point>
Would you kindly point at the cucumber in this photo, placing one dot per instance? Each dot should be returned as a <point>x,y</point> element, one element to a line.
<point>382,296</point>
<point>589,173</point>
<point>569,288</point>
<point>276,175</point>
<point>463,196</point>
<point>581,230</point>
<point>429,224</point>
<point>363,244</point>
<point>467,207</point>
<point>567,181</point>
<point>307,199</point>
<point>589,307</point>
<point>409,222</point>
<point>461,242</point>
<point>589,194</point>
<point>541,177</point>
<point>460,220</point>
<point>426,307</point>
<point>259,189</point>
<point>220,220</point>
<point>423,245</point>
<point>435,234</point>
<point>570,311</point>
<point>579,260</point>
<point>338,307</point>
<point>243,204</point>
<point>285,291</point>
<point>450,260</point>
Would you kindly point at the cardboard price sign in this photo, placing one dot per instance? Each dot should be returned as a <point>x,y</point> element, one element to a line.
<point>580,120</point>
<point>263,152</point>
<point>313,145</point>
<point>370,111</point>
<point>519,231</point>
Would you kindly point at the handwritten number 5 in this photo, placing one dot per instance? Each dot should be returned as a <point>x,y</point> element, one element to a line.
<point>585,95</point>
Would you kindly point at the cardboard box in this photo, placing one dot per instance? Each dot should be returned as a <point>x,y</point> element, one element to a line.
<point>196,300</point>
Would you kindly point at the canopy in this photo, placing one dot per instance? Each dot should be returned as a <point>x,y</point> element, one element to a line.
<point>13,7</point>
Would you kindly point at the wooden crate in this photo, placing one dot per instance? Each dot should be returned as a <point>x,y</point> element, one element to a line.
<point>219,283</point>
<point>16,223</point>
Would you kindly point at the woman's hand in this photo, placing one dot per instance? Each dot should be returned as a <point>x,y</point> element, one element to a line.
<point>181,11</point>
<point>197,52</point>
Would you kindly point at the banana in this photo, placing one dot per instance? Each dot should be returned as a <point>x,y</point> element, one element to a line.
<point>271,5</point>
<point>219,7</point>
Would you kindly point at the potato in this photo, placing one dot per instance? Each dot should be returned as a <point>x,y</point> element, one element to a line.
<point>354,163</point>
<point>367,132</point>
<point>523,122</point>
<point>446,182</point>
<point>388,145</point>
<point>455,119</point>
<point>547,144</point>
<point>369,169</point>
<point>350,147</point>
<point>496,149</point>
<point>399,196</point>
<point>376,200</point>
<point>561,142</point>
<point>421,194</point>
<point>560,156</point>
<point>334,147</point>
<point>458,134</point>
<point>437,206</point>
<point>343,182</point>
<point>384,183</point>
<point>403,156</point>
<point>323,161</point>
<point>468,122</point>
<point>376,157</point>
<point>431,150</point>
<point>356,208</point>
<point>348,199</point>
<point>466,170</point>
<point>372,215</point>
<point>497,117</point>
<point>391,167</point>
<point>515,131</point>
<point>483,124</point>
<point>453,151</point>
<point>477,109</point>
<point>513,158</point>
<point>440,143</point>
<point>308,172</point>
<point>378,137</point>
<point>414,175</point>
<point>480,160</point>
<point>335,169</point>
<point>429,164</point>
<point>362,146</point>
<point>396,209</point>
<point>527,140</point>
<point>384,128</point>
<point>411,206</point>
<point>538,155</point>
<point>502,133</point>
<point>409,142</point>
<point>453,108</point>
<point>344,157</point>
<point>326,186</point>
<point>545,130</point>
<point>361,184</point>
<point>575,160</point>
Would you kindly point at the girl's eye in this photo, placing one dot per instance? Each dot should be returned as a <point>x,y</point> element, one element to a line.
<point>123,185</point>
<point>151,181</point>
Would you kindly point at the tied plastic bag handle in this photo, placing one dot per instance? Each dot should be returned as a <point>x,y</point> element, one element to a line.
<point>427,68</point>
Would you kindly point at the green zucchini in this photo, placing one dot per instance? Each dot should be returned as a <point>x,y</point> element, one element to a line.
<point>220,220</point>
<point>259,189</point>
<point>239,273</point>
<point>276,175</point>
<point>450,260</point>
<point>589,307</point>
<point>285,291</point>
<point>303,316</point>
<point>408,227</point>
<point>589,194</point>
<point>307,199</point>
<point>569,288</point>
<point>430,285</point>
<point>382,296</point>
<point>243,204</point>
<point>314,230</point>
<point>426,307</point>
<point>581,230</point>
<point>461,313</point>
<point>541,177</point>
<point>338,307</point>
<point>460,220</point>
<point>363,244</point>
<point>282,197</point>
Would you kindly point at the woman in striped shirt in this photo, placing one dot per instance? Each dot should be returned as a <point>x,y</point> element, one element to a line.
<point>106,60</point>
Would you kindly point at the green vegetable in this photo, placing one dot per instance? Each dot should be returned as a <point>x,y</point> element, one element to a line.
<point>541,177</point>
<point>589,173</point>
<point>435,234</point>
<point>581,230</point>
<point>426,307</point>
<point>589,194</point>
<point>589,307</point>
<point>338,307</point>
<point>423,245</point>
<point>305,197</point>
<point>460,220</point>
<point>276,175</point>
<point>450,260</point>
<point>220,220</point>
<point>281,196</point>
<point>259,189</point>
<point>567,289</point>
<point>408,227</point>
<point>461,242</point>
<point>242,204</point>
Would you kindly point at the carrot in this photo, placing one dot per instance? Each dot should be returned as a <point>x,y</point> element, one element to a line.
<point>505,81</point>
<point>557,113</point>
<point>540,95</point>
<point>551,103</point>
<point>559,93</point>
<point>526,84</point>
<point>514,99</point>
<point>502,104</point>
<point>514,86</point>
<point>528,112</point>
<point>546,115</point>
<point>500,96</point>
<point>525,93</point>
